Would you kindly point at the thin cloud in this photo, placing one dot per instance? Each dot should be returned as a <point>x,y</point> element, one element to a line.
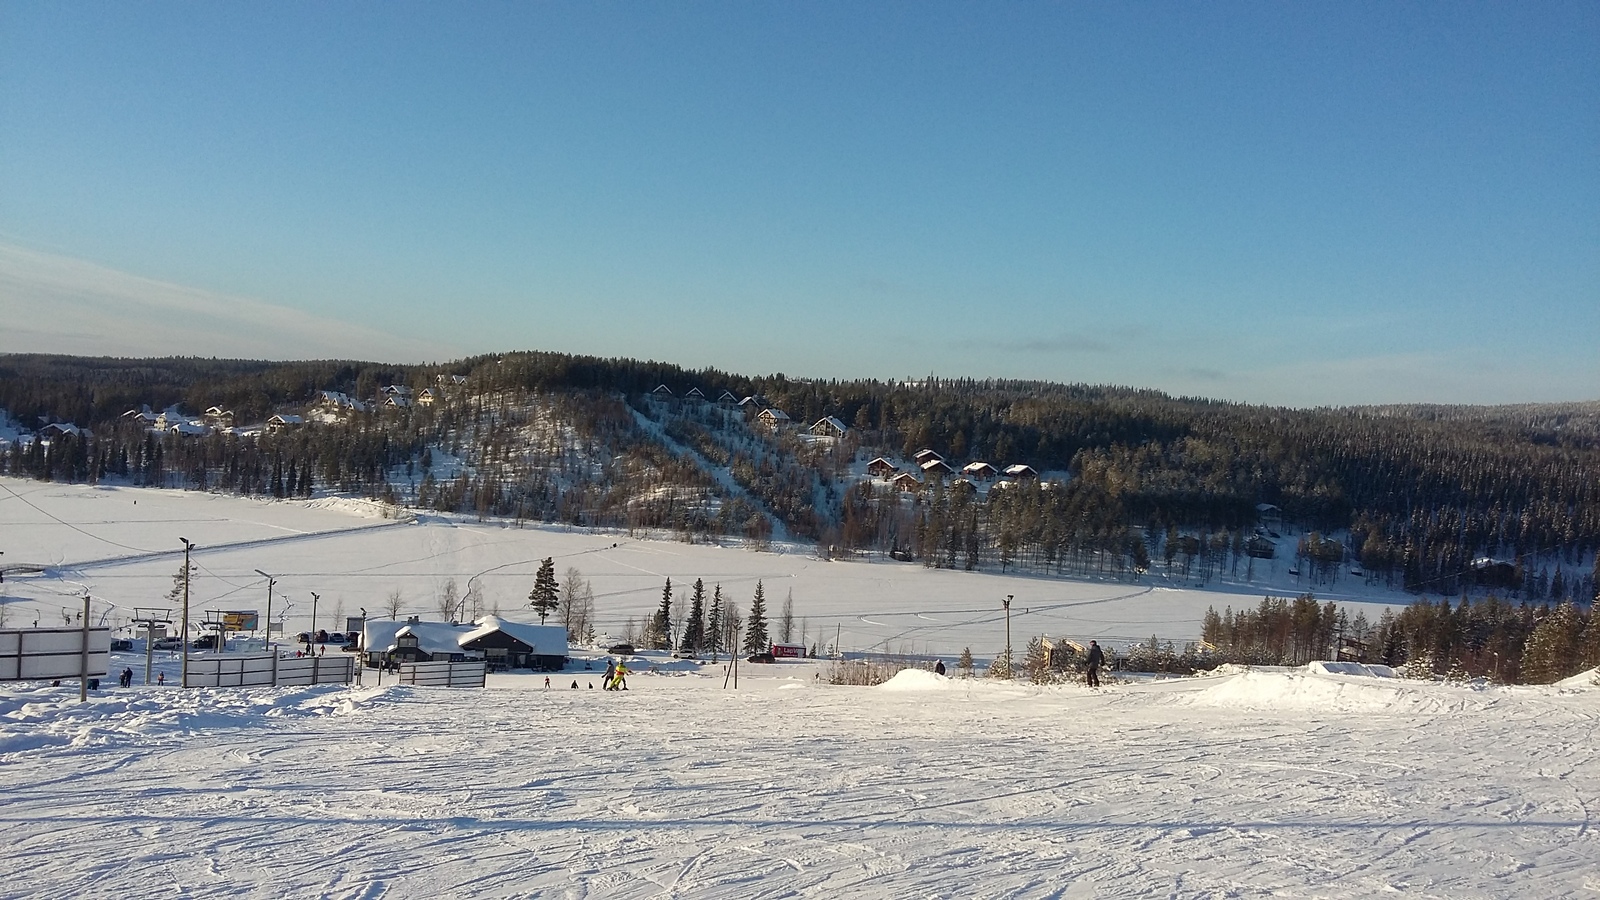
<point>58,304</point>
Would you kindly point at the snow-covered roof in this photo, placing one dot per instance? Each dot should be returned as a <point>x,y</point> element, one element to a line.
<point>774,414</point>
<point>285,420</point>
<point>546,640</point>
<point>924,455</point>
<point>1020,470</point>
<point>830,422</point>
<point>977,467</point>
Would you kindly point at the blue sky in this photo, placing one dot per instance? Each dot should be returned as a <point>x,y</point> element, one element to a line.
<point>1297,204</point>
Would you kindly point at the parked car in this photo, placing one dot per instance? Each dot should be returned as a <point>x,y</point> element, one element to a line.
<point>204,642</point>
<point>170,642</point>
<point>621,649</point>
<point>760,658</point>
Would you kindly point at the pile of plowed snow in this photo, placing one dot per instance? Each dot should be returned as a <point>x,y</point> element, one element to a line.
<point>1310,690</point>
<point>915,680</point>
<point>1581,681</point>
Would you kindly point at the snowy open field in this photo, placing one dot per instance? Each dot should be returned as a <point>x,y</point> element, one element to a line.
<point>122,545</point>
<point>1259,784</point>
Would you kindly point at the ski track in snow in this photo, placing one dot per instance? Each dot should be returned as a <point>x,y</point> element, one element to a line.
<point>787,788</point>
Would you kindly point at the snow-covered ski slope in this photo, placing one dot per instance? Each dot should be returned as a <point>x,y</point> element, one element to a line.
<point>123,546</point>
<point>1281,784</point>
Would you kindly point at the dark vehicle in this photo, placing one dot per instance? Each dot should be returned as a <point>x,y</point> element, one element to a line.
<point>121,644</point>
<point>621,649</point>
<point>761,658</point>
<point>205,642</point>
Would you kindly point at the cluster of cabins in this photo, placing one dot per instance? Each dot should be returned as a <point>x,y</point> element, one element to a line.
<point>326,404</point>
<point>500,643</point>
<point>928,466</point>
<point>772,418</point>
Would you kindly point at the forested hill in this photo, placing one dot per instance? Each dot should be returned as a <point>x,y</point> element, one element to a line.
<point>1412,495</point>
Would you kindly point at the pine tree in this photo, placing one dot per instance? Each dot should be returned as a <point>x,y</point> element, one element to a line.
<point>714,624</point>
<point>546,594</point>
<point>1553,650</point>
<point>786,619</point>
<point>755,635</point>
<point>964,661</point>
<point>694,628</point>
<point>659,635</point>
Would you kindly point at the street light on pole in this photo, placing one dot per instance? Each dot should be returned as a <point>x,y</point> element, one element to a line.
<point>183,641</point>
<point>1007,603</point>
<point>313,634</point>
<point>270,582</point>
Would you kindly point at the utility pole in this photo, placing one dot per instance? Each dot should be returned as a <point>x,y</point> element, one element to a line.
<point>361,648</point>
<point>183,636</point>
<point>1008,635</point>
<point>313,633</point>
<point>270,582</point>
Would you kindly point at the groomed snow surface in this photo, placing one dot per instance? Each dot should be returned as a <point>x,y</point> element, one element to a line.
<point>1316,782</point>
<point>1279,784</point>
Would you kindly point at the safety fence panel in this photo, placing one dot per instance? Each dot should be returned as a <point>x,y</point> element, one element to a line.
<point>36,654</point>
<point>339,669</point>
<point>472,673</point>
<point>266,669</point>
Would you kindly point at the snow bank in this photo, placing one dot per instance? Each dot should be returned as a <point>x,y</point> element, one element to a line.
<point>1325,667</point>
<point>1581,681</point>
<point>355,506</point>
<point>1333,693</point>
<point>50,718</point>
<point>915,680</point>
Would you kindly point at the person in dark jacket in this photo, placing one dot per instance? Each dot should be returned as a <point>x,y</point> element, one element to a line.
<point>1097,658</point>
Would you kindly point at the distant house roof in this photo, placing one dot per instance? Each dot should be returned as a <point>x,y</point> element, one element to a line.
<point>881,465</point>
<point>922,456</point>
<point>936,467</point>
<point>59,428</point>
<point>662,390</point>
<point>727,397</point>
<point>829,425</point>
<point>396,390</point>
<point>979,469</point>
<point>906,481</point>
<point>340,400</point>
<point>281,421</point>
<point>695,394</point>
<point>1021,471</point>
<point>773,414</point>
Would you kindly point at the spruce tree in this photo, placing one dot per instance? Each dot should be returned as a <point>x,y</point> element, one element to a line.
<point>714,624</point>
<point>694,628</point>
<point>755,635</point>
<point>1554,651</point>
<point>546,594</point>
<point>659,634</point>
<point>964,661</point>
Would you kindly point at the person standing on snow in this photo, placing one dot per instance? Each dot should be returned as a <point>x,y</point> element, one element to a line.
<point>610,676</point>
<point>621,682</point>
<point>1097,658</point>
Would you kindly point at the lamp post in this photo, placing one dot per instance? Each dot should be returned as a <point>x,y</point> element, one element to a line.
<point>183,640</point>
<point>361,646</point>
<point>1007,603</point>
<point>270,582</point>
<point>313,633</point>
